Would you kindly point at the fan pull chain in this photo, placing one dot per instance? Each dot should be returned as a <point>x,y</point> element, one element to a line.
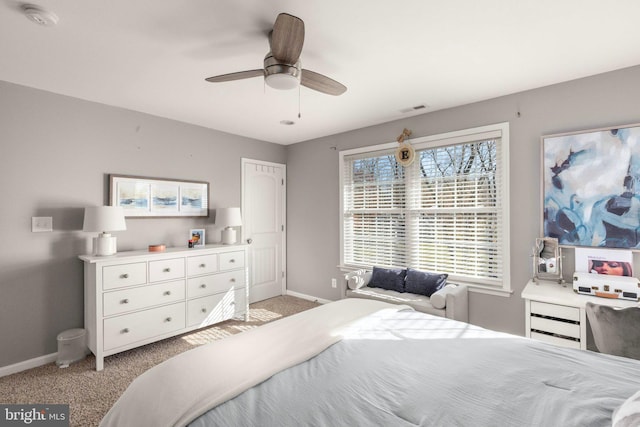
<point>299,115</point>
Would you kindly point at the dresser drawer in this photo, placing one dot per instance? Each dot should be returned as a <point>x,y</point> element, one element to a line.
<point>203,264</point>
<point>214,283</point>
<point>125,300</point>
<point>215,308</point>
<point>123,275</point>
<point>231,260</point>
<point>166,269</point>
<point>130,328</point>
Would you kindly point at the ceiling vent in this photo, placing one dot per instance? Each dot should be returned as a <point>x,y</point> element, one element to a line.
<point>415,108</point>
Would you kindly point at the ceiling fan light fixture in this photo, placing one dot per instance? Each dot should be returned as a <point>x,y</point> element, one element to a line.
<point>282,81</point>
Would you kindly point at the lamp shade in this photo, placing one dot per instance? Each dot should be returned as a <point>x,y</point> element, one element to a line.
<point>104,219</point>
<point>228,217</point>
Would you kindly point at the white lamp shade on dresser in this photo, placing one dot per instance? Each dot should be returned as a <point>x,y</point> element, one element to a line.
<point>104,219</point>
<point>227,218</point>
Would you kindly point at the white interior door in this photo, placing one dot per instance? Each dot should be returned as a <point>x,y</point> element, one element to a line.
<point>263,209</point>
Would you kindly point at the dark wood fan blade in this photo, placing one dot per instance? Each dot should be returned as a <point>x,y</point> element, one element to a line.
<point>235,76</point>
<point>321,83</point>
<point>287,38</point>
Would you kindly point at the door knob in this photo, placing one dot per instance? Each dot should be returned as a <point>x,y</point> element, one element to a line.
<point>249,241</point>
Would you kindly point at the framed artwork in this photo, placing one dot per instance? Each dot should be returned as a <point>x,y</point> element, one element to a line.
<point>158,197</point>
<point>591,187</point>
<point>196,235</point>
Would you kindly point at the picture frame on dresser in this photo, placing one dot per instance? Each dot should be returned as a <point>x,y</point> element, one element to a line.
<point>590,195</point>
<point>141,196</point>
<point>197,237</point>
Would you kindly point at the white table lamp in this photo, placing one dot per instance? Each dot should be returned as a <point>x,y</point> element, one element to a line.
<point>104,219</point>
<point>227,218</point>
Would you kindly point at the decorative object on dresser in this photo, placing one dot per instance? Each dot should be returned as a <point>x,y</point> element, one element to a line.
<point>139,297</point>
<point>196,237</point>
<point>158,197</point>
<point>227,218</point>
<point>104,219</point>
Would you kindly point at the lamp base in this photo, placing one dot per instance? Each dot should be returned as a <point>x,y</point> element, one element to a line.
<point>104,245</point>
<point>228,236</point>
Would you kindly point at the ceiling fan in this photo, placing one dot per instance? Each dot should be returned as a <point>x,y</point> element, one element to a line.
<point>282,69</point>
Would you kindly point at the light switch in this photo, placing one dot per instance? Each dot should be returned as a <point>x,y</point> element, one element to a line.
<point>41,223</point>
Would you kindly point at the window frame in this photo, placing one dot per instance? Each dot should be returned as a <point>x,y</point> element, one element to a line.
<point>439,140</point>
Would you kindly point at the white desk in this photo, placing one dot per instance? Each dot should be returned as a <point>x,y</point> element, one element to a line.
<point>556,314</point>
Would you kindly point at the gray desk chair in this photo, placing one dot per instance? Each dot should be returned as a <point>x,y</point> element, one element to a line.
<point>615,330</point>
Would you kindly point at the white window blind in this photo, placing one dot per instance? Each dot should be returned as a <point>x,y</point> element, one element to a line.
<point>443,213</point>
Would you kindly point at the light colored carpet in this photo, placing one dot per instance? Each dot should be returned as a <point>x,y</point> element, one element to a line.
<point>90,394</point>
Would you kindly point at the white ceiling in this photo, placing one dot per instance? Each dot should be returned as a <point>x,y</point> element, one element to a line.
<point>153,56</point>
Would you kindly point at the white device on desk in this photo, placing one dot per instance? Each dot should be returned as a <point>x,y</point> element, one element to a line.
<point>602,285</point>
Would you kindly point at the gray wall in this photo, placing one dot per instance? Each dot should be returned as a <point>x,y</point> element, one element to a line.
<point>313,193</point>
<point>55,154</point>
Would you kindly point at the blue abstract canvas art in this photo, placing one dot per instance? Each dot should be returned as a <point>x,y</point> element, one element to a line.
<point>591,188</point>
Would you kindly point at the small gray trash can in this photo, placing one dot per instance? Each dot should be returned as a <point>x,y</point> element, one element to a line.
<point>72,347</point>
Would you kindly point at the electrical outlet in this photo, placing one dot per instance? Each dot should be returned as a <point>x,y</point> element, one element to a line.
<point>334,283</point>
<point>41,223</point>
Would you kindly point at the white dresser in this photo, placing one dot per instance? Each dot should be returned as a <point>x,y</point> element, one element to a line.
<point>138,297</point>
<point>556,314</point>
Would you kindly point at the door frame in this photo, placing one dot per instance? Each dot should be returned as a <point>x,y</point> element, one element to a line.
<point>283,255</point>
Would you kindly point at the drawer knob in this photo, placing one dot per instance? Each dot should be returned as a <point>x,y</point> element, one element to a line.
<point>204,310</point>
<point>232,260</point>
<point>167,270</point>
<point>125,331</point>
<point>233,280</point>
<point>203,286</point>
<point>125,301</point>
<point>203,265</point>
<point>168,319</point>
<point>167,293</point>
<point>124,276</point>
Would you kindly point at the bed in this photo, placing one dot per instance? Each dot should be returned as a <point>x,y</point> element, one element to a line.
<point>358,362</point>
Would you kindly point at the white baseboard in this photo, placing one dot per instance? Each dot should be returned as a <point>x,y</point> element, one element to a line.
<point>307,297</point>
<point>28,364</point>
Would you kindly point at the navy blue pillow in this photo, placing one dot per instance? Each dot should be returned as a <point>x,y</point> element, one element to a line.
<point>423,282</point>
<point>388,278</point>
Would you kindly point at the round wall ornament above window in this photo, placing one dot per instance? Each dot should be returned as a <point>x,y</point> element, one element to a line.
<point>405,154</point>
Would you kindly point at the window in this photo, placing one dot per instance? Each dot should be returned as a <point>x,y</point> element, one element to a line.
<point>447,212</point>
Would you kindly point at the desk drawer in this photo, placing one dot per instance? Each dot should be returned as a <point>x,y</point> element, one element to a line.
<point>559,341</point>
<point>130,328</point>
<point>166,269</point>
<point>555,327</point>
<point>123,275</point>
<point>231,260</point>
<point>215,283</point>
<point>203,264</point>
<point>215,308</point>
<point>555,310</point>
<point>142,297</point>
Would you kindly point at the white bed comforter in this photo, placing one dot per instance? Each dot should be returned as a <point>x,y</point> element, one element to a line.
<point>181,389</point>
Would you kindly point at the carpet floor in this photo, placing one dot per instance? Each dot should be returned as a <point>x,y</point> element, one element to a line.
<point>90,394</point>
